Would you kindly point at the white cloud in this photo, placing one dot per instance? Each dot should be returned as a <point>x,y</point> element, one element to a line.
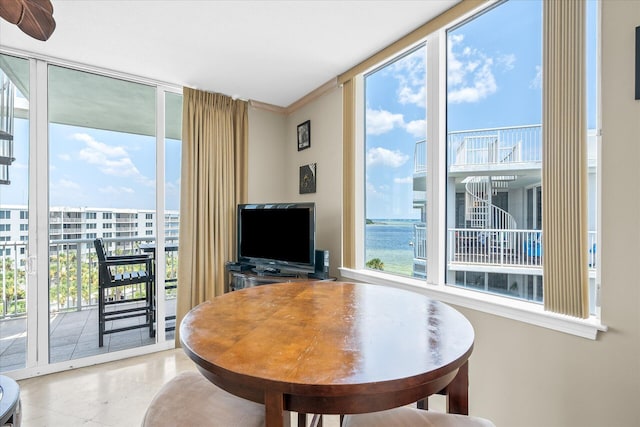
<point>371,189</point>
<point>67,185</point>
<point>382,121</point>
<point>410,73</point>
<point>119,190</point>
<point>507,61</point>
<point>536,82</point>
<point>417,96</point>
<point>405,180</point>
<point>382,156</point>
<point>65,157</point>
<point>172,187</point>
<point>417,128</point>
<point>470,74</point>
<point>95,147</point>
<point>110,160</point>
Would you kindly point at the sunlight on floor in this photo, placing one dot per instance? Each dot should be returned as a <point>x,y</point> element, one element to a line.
<point>110,394</point>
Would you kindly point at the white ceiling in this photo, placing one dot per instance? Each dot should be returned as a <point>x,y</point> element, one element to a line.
<point>269,51</point>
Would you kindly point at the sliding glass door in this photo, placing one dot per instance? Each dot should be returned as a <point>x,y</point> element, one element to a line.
<point>14,213</point>
<point>102,168</point>
<point>83,155</point>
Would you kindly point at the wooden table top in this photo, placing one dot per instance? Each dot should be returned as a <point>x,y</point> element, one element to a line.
<point>327,339</point>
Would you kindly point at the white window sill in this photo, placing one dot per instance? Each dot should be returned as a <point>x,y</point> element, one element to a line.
<point>493,304</point>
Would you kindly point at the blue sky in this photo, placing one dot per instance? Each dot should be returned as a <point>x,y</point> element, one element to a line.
<point>493,80</point>
<point>96,168</point>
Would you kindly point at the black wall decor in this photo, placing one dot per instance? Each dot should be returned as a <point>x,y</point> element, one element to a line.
<point>308,178</point>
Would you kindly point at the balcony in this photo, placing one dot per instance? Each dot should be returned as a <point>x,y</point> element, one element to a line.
<point>73,292</point>
<point>494,149</point>
<point>475,249</point>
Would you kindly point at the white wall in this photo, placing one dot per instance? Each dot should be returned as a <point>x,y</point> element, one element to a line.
<point>267,143</point>
<point>274,164</point>
<point>326,151</point>
<point>523,375</point>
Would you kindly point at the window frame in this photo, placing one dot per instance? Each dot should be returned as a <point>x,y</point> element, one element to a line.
<point>37,356</point>
<point>435,285</point>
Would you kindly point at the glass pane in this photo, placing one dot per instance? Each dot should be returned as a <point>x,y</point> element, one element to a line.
<point>14,218</point>
<point>494,149</point>
<point>494,156</point>
<point>102,168</point>
<point>173,158</point>
<point>395,144</point>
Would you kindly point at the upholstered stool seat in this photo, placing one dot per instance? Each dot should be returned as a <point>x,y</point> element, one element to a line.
<point>412,417</point>
<point>191,400</point>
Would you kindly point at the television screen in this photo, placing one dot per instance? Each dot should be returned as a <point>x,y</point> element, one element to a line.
<point>277,235</point>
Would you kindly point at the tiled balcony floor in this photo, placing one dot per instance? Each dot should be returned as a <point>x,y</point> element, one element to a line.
<point>72,335</point>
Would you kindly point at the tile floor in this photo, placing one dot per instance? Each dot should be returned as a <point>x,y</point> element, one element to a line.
<point>110,394</point>
<point>73,335</point>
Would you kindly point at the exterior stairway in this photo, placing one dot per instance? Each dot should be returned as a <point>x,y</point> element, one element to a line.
<point>481,214</point>
<point>7,90</point>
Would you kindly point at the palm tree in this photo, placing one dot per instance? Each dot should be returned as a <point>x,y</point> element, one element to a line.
<point>375,264</point>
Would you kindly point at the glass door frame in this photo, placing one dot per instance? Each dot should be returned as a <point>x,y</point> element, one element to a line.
<point>37,277</point>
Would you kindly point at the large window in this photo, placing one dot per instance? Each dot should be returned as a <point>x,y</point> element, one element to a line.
<point>395,165</point>
<point>494,151</point>
<point>461,156</point>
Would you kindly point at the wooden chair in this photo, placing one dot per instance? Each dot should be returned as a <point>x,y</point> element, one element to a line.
<point>116,299</point>
<point>190,399</point>
<point>413,417</point>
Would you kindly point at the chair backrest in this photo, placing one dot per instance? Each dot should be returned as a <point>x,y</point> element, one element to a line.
<point>99,245</point>
<point>105,272</point>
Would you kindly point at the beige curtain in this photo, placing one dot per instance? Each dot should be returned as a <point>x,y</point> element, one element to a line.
<point>213,182</point>
<point>564,158</point>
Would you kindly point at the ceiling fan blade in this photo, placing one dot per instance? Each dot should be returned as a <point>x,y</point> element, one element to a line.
<point>33,17</point>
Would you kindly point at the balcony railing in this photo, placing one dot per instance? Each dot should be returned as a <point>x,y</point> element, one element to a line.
<point>73,272</point>
<point>503,248</point>
<point>494,247</point>
<point>505,145</point>
<point>420,241</point>
<point>516,144</point>
<point>420,157</point>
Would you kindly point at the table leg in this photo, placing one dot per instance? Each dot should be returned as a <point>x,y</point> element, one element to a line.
<point>302,419</point>
<point>274,410</point>
<point>423,404</point>
<point>458,392</point>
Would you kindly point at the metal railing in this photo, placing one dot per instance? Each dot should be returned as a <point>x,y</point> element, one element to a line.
<point>516,144</point>
<point>499,247</point>
<point>420,157</point>
<point>506,145</point>
<point>73,272</point>
<point>420,241</point>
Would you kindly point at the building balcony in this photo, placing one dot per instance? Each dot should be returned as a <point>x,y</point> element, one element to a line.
<point>494,150</point>
<point>73,299</point>
<point>513,251</point>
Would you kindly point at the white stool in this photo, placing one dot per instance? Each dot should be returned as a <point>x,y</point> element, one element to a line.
<point>192,400</point>
<point>412,417</point>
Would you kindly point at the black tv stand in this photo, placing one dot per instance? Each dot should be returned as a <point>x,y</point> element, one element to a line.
<point>249,278</point>
<point>273,272</point>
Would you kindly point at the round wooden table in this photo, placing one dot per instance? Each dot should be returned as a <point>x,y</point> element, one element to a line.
<point>330,347</point>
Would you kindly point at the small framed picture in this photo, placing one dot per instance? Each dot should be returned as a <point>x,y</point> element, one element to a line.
<point>308,178</point>
<point>304,135</point>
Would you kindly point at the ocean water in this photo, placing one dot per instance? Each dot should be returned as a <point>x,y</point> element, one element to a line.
<point>391,241</point>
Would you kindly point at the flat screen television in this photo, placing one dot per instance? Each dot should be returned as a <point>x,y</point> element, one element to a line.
<point>277,237</point>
